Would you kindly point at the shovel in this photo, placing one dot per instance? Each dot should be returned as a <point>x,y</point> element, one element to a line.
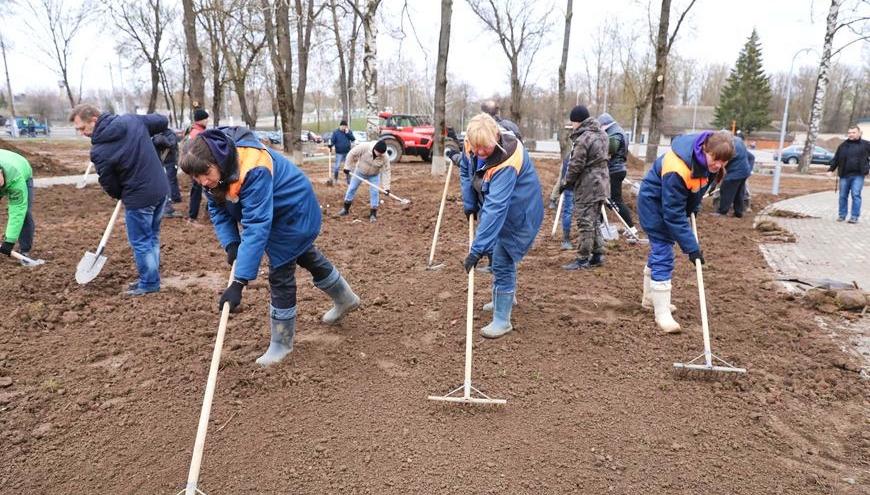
<point>27,261</point>
<point>91,263</point>
<point>329,181</point>
<point>84,182</point>
<point>405,202</point>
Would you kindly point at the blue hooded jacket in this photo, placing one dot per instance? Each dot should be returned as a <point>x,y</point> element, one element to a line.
<point>272,200</point>
<point>671,191</point>
<point>343,141</point>
<point>739,167</point>
<point>616,162</point>
<point>126,160</point>
<point>506,192</point>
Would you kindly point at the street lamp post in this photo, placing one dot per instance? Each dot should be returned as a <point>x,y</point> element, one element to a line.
<point>777,169</point>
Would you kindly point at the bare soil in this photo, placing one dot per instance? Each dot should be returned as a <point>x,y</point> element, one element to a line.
<point>101,394</point>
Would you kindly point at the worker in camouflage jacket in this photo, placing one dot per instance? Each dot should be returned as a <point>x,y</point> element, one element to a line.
<point>588,177</point>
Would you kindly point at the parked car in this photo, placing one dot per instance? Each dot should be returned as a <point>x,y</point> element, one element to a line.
<point>308,136</point>
<point>28,126</point>
<point>273,137</point>
<point>792,155</point>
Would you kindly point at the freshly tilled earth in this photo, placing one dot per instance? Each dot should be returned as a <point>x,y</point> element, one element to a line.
<point>100,393</point>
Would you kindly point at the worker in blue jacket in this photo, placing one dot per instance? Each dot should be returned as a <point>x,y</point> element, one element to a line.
<point>257,188</point>
<point>342,139</point>
<point>732,190</point>
<point>670,192</point>
<point>499,186</point>
<point>130,170</point>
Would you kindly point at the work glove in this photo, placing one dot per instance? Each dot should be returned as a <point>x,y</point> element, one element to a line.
<point>469,213</point>
<point>232,252</point>
<point>562,188</point>
<point>453,155</point>
<point>6,248</point>
<point>232,295</point>
<point>387,192</point>
<point>696,255</point>
<point>471,261</point>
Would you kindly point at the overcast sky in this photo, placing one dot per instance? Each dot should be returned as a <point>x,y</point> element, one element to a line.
<point>715,31</point>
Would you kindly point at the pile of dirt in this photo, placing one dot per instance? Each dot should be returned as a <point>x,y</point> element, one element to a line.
<point>776,212</point>
<point>101,394</point>
<point>41,163</point>
<point>773,232</point>
<point>830,300</point>
<point>635,163</point>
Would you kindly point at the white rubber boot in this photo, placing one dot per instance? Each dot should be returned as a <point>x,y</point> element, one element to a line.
<point>661,298</point>
<point>343,298</point>
<point>646,300</point>
<point>281,343</point>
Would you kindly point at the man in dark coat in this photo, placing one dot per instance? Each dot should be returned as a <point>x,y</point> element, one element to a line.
<point>166,144</point>
<point>130,170</point>
<point>342,139</point>
<point>851,163</point>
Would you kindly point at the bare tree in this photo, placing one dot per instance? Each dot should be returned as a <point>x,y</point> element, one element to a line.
<point>306,16</point>
<point>8,84</point>
<point>241,40</point>
<point>521,32</point>
<point>637,68</point>
<point>563,66</point>
<point>370,63</point>
<point>213,21</point>
<point>855,23</point>
<point>342,66</point>
<point>56,26</point>
<point>438,162</point>
<point>142,24</point>
<point>194,56</point>
<point>664,42</point>
<point>276,16</point>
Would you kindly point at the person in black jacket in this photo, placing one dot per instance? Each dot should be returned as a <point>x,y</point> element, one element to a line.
<point>130,170</point>
<point>166,144</point>
<point>851,163</point>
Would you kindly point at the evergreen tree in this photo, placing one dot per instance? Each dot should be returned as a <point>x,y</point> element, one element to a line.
<point>746,96</point>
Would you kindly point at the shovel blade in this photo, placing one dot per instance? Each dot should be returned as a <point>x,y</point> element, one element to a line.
<point>81,184</point>
<point>89,267</point>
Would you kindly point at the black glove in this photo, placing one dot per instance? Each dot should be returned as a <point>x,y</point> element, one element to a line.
<point>387,192</point>
<point>6,248</point>
<point>453,155</point>
<point>471,261</point>
<point>562,188</point>
<point>696,255</point>
<point>232,295</point>
<point>232,252</point>
<point>469,213</point>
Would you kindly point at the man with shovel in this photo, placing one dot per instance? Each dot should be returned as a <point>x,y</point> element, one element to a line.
<point>368,161</point>
<point>273,201</point>
<point>130,170</point>
<point>16,183</point>
<point>342,140</point>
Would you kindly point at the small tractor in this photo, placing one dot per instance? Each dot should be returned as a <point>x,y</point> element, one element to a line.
<point>411,135</point>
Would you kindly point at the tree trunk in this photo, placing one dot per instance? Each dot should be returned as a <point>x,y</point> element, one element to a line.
<point>342,69</point>
<point>564,141</point>
<point>278,39</point>
<point>351,63</point>
<point>370,67</point>
<point>8,84</point>
<point>516,91</point>
<point>239,89</point>
<point>658,84</point>
<point>194,57</point>
<point>305,18</point>
<point>155,86</point>
<point>438,162</point>
<point>818,104</point>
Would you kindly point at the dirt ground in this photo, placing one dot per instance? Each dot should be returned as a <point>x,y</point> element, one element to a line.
<point>101,394</point>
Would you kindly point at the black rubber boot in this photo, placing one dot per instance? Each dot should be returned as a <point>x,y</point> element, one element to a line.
<point>373,215</point>
<point>345,210</point>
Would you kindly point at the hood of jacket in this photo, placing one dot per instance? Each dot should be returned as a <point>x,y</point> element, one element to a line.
<point>109,128</point>
<point>590,124</point>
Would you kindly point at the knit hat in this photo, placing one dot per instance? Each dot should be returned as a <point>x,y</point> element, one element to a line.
<point>224,152</point>
<point>199,114</point>
<point>579,113</point>
<point>380,147</point>
<point>343,122</point>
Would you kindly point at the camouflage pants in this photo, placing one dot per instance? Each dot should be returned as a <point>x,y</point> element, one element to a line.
<point>588,217</point>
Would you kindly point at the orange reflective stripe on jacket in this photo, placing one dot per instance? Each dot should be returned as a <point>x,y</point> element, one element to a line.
<point>515,161</point>
<point>249,158</point>
<point>675,164</point>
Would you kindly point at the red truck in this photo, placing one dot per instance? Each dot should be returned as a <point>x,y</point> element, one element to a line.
<point>411,135</point>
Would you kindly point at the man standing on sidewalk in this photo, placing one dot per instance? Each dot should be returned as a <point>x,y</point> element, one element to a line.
<point>851,162</point>
<point>130,171</point>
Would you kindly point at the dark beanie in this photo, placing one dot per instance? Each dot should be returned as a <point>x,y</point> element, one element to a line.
<point>223,150</point>
<point>579,113</point>
<point>343,122</point>
<point>199,114</point>
<point>380,147</point>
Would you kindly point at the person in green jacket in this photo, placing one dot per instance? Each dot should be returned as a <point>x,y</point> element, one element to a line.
<point>16,183</point>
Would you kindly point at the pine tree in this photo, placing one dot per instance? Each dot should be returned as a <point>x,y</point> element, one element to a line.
<point>746,96</point>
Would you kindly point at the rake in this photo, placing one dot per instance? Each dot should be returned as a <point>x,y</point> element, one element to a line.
<point>467,388</point>
<point>205,412</point>
<point>329,180</point>
<point>708,366</point>
<point>558,214</point>
<point>429,265</point>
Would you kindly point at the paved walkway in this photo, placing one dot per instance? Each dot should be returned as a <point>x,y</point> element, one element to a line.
<point>824,248</point>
